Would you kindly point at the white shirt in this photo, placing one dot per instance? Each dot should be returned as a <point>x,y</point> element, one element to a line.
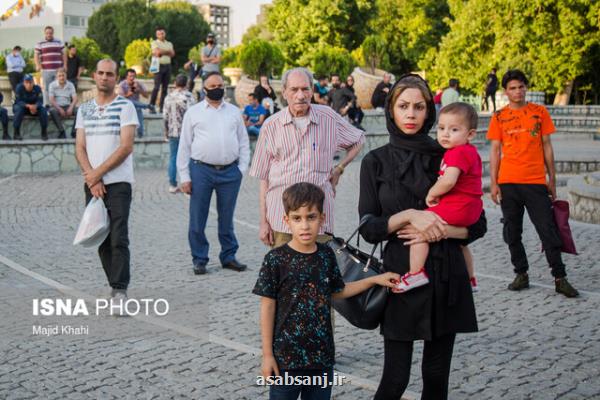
<point>102,127</point>
<point>214,136</point>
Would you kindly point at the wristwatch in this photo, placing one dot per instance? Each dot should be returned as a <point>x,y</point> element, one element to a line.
<point>340,167</point>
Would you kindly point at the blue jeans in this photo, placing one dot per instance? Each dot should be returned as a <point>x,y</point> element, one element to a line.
<point>19,111</point>
<point>308,392</point>
<point>3,117</point>
<point>253,130</point>
<point>139,107</point>
<point>173,146</point>
<point>226,183</point>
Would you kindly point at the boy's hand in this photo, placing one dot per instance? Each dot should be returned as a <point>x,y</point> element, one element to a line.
<point>432,201</point>
<point>269,367</point>
<point>387,279</point>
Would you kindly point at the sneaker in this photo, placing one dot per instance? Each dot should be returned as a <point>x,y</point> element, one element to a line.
<point>410,281</point>
<point>119,297</point>
<point>173,189</point>
<point>199,269</point>
<point>474,286</point>
<point>521,281</point>
<point>563,286</point>
<point>62,135</point>
<point>152,109</point>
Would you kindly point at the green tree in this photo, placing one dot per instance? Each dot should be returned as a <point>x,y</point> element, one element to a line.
<point>231,57</point>
<point>300,27</point>
<point>184,25</point>
<point>374,53</point>
<point>329,60</point>
<point>261,57</point>
<point>550,41</point>
<point>138,53</point>
<point>89,52</point>
<point>410,29</point>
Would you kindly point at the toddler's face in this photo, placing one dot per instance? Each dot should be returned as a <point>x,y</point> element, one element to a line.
<point>453,131</point>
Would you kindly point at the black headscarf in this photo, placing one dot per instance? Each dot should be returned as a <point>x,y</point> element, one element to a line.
<point>415,157</point>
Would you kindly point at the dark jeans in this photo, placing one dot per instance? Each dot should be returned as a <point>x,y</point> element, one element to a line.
<point>74,82</point>
<point>57,119</point>
<point>161,79</point>
<point>533,197</point>
<point>308,392</point>
<point>4,117</point>
<point>226,183</point>
<point>19,111</point>
<point>114,251</point>
<point>15,78</point>
<point>173,147</point>
<point>493,96</point>
<point>435,368</point>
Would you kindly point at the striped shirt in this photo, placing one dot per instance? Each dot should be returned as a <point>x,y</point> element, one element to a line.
<point>102,128</point>
<point>50,54</point>
<point>285,155</point>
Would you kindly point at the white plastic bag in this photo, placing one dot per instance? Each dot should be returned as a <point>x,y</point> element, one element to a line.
<point>154,65</point>
<point>94,226</point>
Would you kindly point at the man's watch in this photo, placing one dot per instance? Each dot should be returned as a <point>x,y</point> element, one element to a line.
<point>340,167</point>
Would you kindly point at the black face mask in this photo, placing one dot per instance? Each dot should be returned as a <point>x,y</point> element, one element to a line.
<point>337,85</point>
<point>211,41</point>
<point>215,94</point>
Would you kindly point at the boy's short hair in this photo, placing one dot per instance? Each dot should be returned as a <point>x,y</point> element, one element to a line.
<point>514,75</point>
<point>303,194</point>
<point>463,109</point>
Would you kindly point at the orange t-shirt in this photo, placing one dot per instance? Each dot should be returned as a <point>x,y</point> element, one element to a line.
<point>520,134</point>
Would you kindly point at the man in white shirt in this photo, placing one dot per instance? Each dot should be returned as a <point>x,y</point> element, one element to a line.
<point>213,153</point>
<point>63,100</point>
<point>104,144</point>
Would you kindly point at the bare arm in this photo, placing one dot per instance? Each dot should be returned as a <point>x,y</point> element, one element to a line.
<point>356,287</point>
<point>98,189</point>
<point>64,56</point>
<point>336,173</point>
<point>267,325</point>
<point>443,185</point>
<point>265,232</point>
<point>495,152</point>
<point>549,162</point>
<point>36,60</point>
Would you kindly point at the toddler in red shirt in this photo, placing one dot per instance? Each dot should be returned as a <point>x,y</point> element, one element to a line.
<point>456,196</point>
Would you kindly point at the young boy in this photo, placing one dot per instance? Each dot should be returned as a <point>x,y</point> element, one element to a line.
<point>297,282</point>
<point>456,196</point>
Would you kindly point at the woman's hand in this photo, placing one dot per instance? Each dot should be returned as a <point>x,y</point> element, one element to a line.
<point>411,235</point>
<point>429,224</point>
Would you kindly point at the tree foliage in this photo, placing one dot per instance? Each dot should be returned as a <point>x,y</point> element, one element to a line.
<point>261,57</point>
<point>89,52</point>
<point>231,57</point>
<point>138,52</point>
<point>116,24</point>
<point>375,53</point>
<point>301,27</point>
<point>332,60</point>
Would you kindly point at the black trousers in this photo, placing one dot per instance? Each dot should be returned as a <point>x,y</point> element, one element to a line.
<point>492,95</point>
<point>435,368</point>
<point>114,251</point>
<point>161,80</point>
<point>533,197</point>
<point>15,78</point>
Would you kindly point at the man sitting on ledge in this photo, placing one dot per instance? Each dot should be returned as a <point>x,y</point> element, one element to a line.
<point>131,89</point>
<point>63,98</point>
<point>4,120</point>
<point>29,101</point>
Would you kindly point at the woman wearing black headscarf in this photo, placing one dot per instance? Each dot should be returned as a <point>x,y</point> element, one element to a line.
<point>394,180</point>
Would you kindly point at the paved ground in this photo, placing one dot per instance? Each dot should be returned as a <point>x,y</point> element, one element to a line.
<point>531,345</point>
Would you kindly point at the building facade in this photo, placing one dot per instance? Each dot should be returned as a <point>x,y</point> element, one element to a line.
<point>69,18</point>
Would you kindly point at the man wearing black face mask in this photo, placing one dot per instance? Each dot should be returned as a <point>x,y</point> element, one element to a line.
<point>213,153</point>
<point>211,56</point>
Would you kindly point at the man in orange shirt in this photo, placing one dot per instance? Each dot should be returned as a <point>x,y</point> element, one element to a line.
<point>521,156</point>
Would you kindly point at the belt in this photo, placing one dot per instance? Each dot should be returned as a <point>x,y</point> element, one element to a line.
<point>217,167</point>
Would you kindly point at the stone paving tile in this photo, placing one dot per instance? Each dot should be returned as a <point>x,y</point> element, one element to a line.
<point>531,344</point>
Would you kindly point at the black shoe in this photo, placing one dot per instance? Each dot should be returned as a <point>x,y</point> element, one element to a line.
<point>199,269</point>
<point>17,135</point>
<point>73,134</point>
<point>235,265</point>
<point>152,109</point>
<point>563,286</point>
<point>521,282</point>
<point>62,135</point>
<point>5,136</point>
<point>44,135</point>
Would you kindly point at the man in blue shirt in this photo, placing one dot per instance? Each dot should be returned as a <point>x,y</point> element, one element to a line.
<point>29,101</point>
<point>254,115</point>
<point>4,119</point>
<point>15,64</point>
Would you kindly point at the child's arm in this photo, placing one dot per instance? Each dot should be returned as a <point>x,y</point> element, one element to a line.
<point>267,327</point>
<point>356,287</point>
<point>443,185</point>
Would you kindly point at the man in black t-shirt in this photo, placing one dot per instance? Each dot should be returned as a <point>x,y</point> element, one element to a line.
<point>74,66</point>
<point>491,86</point>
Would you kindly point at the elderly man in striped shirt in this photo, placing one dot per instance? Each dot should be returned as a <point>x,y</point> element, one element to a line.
<point>298,144</point>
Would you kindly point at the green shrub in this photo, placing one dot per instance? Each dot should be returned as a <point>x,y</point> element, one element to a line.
<point>2,65</point>
<point>231,57</point>
<point>138,53</point>
<point>374,53</point>
<point>260,57</point>
<point>332,60</point>
<point>195,53</point>
<point>89,53</point>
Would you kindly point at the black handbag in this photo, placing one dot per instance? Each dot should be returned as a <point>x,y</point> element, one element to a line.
<point>364,310</point>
